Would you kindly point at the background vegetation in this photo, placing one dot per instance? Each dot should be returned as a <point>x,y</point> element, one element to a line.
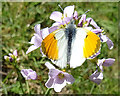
<point>18,21</point>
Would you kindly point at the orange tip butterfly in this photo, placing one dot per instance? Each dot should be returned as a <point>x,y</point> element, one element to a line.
<point>71,45</point>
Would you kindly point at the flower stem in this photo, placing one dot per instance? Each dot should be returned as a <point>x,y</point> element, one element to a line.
<point>47,92</point>
<point>27,83</point>
<point>92,88</point>
<point>19,75</point>
<point>7,76</point>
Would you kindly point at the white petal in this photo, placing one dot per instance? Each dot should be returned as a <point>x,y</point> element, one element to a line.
<point>110,44</point>
<point>37,28</point>
<point>56,16</point>
<point>15,53</point>
<point>6,57</point>
<point>58,87</point>
<point>56,24</point>
<point>108,62</point>
<point>45,32</point>
<point>49,65</point>
<point>49,83</point>
<point>68,11</point>
<point>103,38</point>
<point>100,76</point>
<point>36,40</point>
<point>69,78</point>
<point>31,48</point>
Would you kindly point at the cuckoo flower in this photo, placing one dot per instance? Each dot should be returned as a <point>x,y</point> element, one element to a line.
<point>104,38</point>
<point>36,40</point>
<point>12,56</point>
<point>29,74</point>
<point>98,76</point>
<point>64,18</point>
<point>83,22</point>
<point>57,79</point>
<point>105,62</point>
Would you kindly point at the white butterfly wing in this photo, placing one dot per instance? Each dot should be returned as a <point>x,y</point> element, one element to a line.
<point>85,45</point>
<point>77,58</point>
<point>54,46</point>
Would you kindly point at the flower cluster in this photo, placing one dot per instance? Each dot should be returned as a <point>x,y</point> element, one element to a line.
<point>58,79</point>
<point>12,57</point>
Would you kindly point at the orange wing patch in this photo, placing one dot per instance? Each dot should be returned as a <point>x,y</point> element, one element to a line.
<point>49,46</point>
<point>91,44</point>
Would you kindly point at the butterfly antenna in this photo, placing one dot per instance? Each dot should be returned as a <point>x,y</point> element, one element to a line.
<point>60,7</point>
<point>84,13</point>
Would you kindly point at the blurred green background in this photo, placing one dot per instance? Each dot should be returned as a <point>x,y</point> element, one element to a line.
<point>18,21</point>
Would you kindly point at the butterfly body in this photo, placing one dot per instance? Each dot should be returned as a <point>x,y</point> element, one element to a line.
<point>70,33</point>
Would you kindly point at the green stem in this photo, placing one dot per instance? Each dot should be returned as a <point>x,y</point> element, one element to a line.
<point>47,92</point>
<point>7,76</point>
<point>28,90</point>
<point>19,78</point>
<point>92,88</point>
<point>19,75</point>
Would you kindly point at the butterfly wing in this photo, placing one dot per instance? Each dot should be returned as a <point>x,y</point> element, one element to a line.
<point>54,46</point>
<point>91,44</point>
<point>85,44</point>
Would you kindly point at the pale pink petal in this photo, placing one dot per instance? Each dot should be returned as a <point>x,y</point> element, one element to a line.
<point>103,38</point>
<point>45,32</point>
<point>15,53</point>
<point>49,83</point>
<point>108,62</point>
<point>28,74</point>
<point>25,72</point>
<point>6,57</point>
<point>10,54</point>
<point>66,20</point>
<point>58,87</point>
<point>99,63</point>
<point>69,78</point>
<point>51,29</point>
<point>82,20</point>
<point>54,72</point>
<point>56,24</point>
<point>92,22</point>
<point>75,15</point>
<point>36,40</point>
<point>56,16</point>
<point>37,29</point>
<point>43,55</point>
<point>58,80</point>
<point>110,44</point>
<point>31,48</point>
<point>32,75</point>
<point>97,31</point>
<point>68,11</point>
<point>49,65</point>
<point>96,77</point>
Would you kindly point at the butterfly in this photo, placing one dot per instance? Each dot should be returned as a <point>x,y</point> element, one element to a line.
<point>71,45</point>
